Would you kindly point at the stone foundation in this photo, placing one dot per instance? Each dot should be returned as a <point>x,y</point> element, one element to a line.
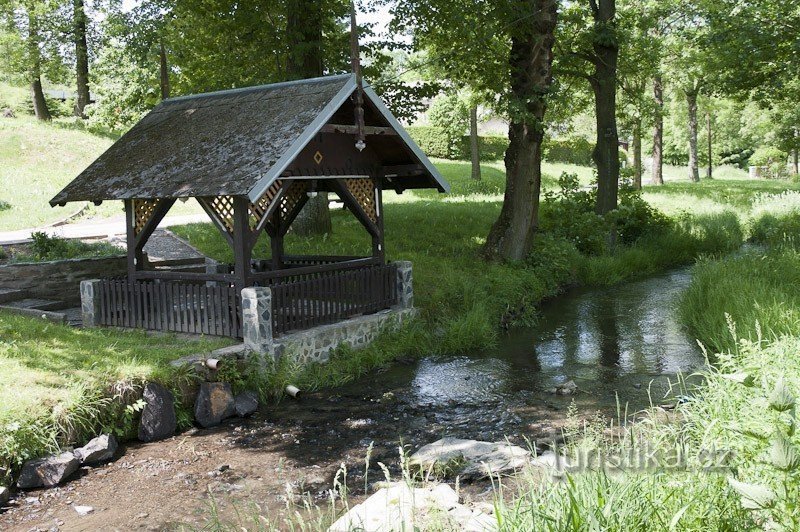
<point>317,344</point>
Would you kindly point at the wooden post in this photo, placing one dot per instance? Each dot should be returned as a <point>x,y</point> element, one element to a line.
<point>134,252</point>
<point>379,244</point>
<point>242,245</point>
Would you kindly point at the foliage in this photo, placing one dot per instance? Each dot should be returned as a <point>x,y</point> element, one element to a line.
<point>45,247</point>
<point>433,141</point>
<point>772,159</point>
<point>450,115</point>
<point>572,150</point>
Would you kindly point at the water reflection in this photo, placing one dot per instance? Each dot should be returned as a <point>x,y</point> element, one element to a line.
<point>621,343</point>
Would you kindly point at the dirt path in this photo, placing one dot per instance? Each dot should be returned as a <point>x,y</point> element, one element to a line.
<point>291,450</point>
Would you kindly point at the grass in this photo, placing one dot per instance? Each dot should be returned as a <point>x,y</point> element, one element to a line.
<point>56,381</point>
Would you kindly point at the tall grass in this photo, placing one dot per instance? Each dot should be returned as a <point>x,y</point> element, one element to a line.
<point>758,291</point>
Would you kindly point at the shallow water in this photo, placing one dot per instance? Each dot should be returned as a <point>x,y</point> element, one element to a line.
<point>620,345</point>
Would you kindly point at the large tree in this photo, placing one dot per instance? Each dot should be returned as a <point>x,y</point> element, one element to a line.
<point>30,46</point>
<point>304,25</point>
<point>79,37</point>
<point>590,51</point>
<point>502,48</point>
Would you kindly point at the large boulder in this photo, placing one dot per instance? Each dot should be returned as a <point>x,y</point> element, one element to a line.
<point>246,403</point>
<point>214,403</point>
<point>471,458</point>
<point>99,449</point>
<point>5,495</point>
<point>47,472</point>
<point>158,416</point>
<point>400,507</point>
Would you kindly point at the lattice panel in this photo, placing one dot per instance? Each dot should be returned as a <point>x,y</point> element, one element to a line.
<point>292,197</point>
<point>363,190</point>
<point>143,210</point>
<point>223,207</point>
<point>260,207</point>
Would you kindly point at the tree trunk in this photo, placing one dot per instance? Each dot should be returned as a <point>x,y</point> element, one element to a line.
<point>658,133</point>
<point>474,148</point>
<point>35,70</point>
<point>710,170</point>
<point>604,84</point>
<point>796,161</point>
<point>530,60</point>
<point>691,101</point>
<point>304,34</point>
<point>81,57</point>
<point>637,155</point>
<point>163,69</point>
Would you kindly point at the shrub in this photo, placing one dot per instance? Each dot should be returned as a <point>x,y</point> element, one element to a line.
<point>432,140</point>
<point>491,147</point>
<point>45,247</point>
<point>4,205</point>
<point>571,150</point>
<point>635,218</point>
<point>435,142</point>
<point>772,159</point>
<point>569,213</point>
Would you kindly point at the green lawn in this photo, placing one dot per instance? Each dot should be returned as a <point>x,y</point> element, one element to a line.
<point>54,379</point>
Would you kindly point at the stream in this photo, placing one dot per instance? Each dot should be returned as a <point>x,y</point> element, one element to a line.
<point>620,345</point>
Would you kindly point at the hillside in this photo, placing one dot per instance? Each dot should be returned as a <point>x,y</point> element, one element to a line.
<point>37,160</point>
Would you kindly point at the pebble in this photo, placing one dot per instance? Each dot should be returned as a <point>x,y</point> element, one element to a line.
<point>83,510</point>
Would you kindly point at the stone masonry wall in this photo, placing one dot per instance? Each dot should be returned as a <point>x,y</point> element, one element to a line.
<point>316,345</point>
<point>59,280</point>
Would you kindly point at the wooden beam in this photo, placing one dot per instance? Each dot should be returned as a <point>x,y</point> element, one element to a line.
<point>353,130</point>
<point>286,221</point>
<point>134,257</point>
<point>161,210</point>
<point>242,243</point>
<point>402,170</point>
<point>218,223</point>
<point>352,203</point>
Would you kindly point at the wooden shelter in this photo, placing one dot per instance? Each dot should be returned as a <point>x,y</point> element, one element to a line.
<point>252,157</point>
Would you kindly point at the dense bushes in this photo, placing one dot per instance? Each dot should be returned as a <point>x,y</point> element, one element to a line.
<point>772,160</point>
<point>45,247</point>
<point>571,150</point>
<point>433,140</point>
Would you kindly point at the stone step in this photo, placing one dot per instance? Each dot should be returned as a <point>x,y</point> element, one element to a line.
<point>12,294</point>
<point>35,304</point>
<point>49,315</point>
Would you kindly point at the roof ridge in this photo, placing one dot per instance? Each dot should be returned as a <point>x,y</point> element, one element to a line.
<point>254,88</point>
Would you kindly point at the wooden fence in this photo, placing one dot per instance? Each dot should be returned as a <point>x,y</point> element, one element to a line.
<point>171,306</point>
<point>329,297</point>
<point>298,302</point>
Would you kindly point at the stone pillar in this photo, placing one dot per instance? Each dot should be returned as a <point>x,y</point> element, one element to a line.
<point>405,288</point>
<point>257,319</point>
<point>90,302</point>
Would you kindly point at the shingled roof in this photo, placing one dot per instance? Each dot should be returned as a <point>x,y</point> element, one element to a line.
<point>234,142</point>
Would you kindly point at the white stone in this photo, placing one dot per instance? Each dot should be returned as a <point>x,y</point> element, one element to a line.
<point>399,508</point>
<point>483,459</point>
<point>83,510</point>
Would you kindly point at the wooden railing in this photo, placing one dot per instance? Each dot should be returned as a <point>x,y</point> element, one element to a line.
<point>330,296</point>
<point>171,306</point>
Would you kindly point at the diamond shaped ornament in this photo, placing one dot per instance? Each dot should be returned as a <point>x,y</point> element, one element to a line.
<point>318,157</point>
